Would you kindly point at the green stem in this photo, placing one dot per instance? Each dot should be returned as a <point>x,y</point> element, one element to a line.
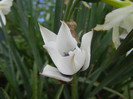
<point>72,9</point>
<point>59,92</point>
<point>67,9</point>
<point>117,3</point>
<point>74,87</point>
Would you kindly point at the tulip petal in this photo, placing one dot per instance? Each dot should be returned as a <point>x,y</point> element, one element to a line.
<point>86,46</point>
<point>130,51</point>
<point>53,72</point>
<point>115,17</point>
<point>64,64</point>
<point>127,23</point>
<point>67,65</point>
<point>47,34</point>
<point>115,36</point>
<point>79,58</point>
<point>53,51</point>
<point>65,41</point>
<point>3,19</point>
<point>123,35</point>
<point>5,6</point>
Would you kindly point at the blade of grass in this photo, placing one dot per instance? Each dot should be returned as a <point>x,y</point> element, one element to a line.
<point>68,10</point>
<point>114,74</point>
<point>58,94</point>
<point>121,50</point>
<point>29,33</point>
<point>3,94</point>
<point>83,80</point>
<point>19,64</point>
<point>35,82</point>
<point>58,15</point>
<point>9,78</point>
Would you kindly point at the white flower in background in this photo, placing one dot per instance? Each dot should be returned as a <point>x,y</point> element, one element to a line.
<point>129,51</point>
<point>5,6</point>
<point>119,18</point>
<point>65,53</point>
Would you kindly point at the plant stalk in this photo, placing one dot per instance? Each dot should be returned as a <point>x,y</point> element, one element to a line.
<point>59,92</point>
<point>74,87</point>
<point>68,9</point>
<point>117,3</point>
<point>72,9</point>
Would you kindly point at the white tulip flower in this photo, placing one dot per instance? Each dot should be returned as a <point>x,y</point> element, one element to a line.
<point>119,18</point>
<point>65,53</point>
<point>5,6</point>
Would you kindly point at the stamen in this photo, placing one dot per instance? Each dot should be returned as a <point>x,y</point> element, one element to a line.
<point>66,54</point>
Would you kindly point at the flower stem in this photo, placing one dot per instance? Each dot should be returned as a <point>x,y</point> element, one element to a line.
<point>74,87</point>
<point>117,3</point>
<point>72,9</point>
<point>67,9</point>
<point>59,92</point>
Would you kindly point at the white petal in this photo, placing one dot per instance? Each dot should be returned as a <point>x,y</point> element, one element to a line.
<point>86,46</point>
<point>53,51</point>
<point>53,72</point>
<point>127,23</point>
<point>115,36</point>
<point>65,41</point>
<point>5,6</point>
<point>47,34</point>
<point>129,51</point>
<point>115,17</point>
<point>79,58</point>
<point>67,65</point>
<point>64,64</point>
<point>123,35</point>
<point>100,27</point>
<point>3,19</point>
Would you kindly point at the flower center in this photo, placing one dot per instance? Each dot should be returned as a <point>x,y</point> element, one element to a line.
<point>66,54</point>
<point>72,52</point>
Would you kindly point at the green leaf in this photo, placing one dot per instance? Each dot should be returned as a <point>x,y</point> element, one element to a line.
<point>59,92</point>
<point>58,15</point>
<point>3,94</point>
<point>35,83</point>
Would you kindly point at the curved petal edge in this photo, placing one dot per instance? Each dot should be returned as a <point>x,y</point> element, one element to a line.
<point>53,72</point>
<point>86,46</point>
